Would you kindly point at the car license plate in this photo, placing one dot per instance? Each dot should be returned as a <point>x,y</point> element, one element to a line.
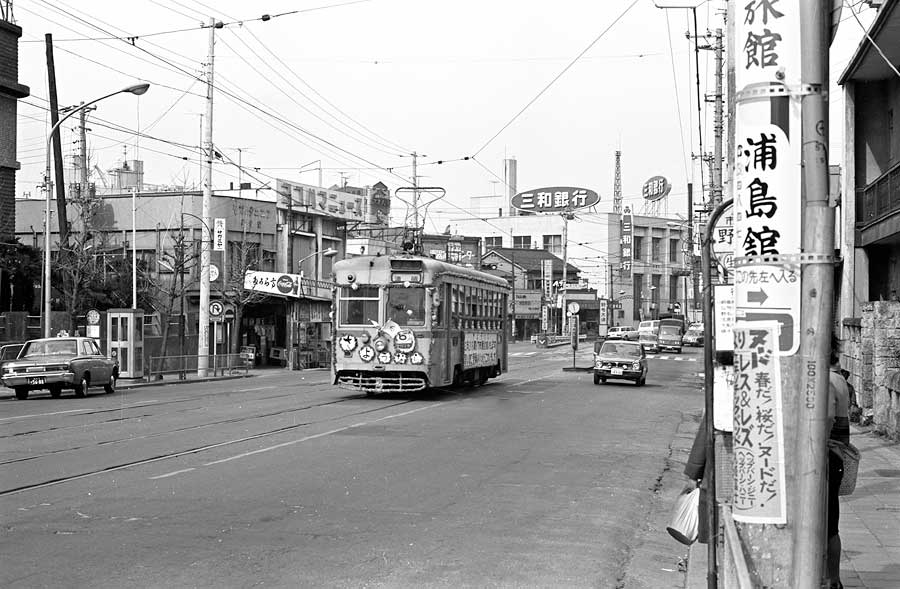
<point>617,371</point>
<point>36,380</point>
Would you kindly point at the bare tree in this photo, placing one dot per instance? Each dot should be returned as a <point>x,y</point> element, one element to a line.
<point>168,284</point>
<point>243,256</point>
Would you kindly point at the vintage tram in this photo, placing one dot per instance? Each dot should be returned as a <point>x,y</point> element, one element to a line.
<point>405,323</point>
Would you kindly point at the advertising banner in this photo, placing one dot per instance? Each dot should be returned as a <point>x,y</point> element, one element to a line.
<point>625,243</point>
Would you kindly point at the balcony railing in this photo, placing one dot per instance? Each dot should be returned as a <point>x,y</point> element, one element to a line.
<point>880,198</point>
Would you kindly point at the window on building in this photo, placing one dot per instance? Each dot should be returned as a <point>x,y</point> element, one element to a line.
<point>522,242</point>
<point>655,247</point>
<point>553,244</point>
<point>534,284</point>
<point>655,281</point>
<point>638,245</point>
<point>492,242</point>
<point>673,249</point>
<point>673,289</point>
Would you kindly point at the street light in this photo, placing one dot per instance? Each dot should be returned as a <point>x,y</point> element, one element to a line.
<point>325,254</point>
<point>137,90</point>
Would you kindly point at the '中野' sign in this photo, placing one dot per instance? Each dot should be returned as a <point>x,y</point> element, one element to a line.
<point>554,199</point>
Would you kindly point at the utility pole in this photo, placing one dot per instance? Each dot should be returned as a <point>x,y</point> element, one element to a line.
<point>57,171</point>
<point>718,126</point>
<point>415,203</point>
<point>817,296</point>
<point>203,331</point>
<point>83,165</point>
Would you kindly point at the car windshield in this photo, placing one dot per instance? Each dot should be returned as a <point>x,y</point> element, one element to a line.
<point>50,348</point>
<point>628,350</point>
<point>668,330</point>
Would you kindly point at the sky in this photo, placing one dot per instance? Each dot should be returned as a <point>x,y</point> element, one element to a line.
<point>357,87</point>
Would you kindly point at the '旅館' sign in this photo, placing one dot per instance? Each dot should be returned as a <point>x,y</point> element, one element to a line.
<point>554,199</point>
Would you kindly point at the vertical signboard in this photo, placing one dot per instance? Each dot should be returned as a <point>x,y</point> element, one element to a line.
<point>759,474</point>
<point>625,243</point>
<point>723,316</point>
<point>219,234</point>
<point>546,282</point>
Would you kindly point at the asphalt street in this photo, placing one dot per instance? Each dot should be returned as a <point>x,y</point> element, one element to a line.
<point>537,479</point>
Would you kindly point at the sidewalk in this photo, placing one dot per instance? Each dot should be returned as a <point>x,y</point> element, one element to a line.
<point>870,520</point>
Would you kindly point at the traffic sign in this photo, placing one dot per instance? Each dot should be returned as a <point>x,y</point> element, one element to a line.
<point>771,293</point>
<point>213,272</point>
<point>228,315</point>
<point>216,308</point>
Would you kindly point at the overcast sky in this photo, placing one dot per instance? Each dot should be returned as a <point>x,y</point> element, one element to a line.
<point>361,85</point>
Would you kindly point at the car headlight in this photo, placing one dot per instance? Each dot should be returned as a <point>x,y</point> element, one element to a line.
<point>636,366</point>
<point>381,344</point>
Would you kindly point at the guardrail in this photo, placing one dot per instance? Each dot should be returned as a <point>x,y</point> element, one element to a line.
<point>218,365</point>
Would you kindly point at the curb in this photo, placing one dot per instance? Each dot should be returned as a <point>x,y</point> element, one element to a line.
<point>122,386</point>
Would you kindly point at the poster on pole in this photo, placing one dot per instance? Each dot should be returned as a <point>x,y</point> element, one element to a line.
<point>219,234</point>
<point>759,473</point>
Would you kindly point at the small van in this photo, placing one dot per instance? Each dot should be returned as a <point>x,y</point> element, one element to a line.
<point>649,327</point>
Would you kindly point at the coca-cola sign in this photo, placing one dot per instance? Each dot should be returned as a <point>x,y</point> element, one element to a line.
<point>286,284</point>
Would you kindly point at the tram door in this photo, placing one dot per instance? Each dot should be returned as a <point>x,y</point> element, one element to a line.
<point>125,340</point>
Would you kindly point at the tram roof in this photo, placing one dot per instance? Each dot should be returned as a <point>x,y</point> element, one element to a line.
<point>361,265</point>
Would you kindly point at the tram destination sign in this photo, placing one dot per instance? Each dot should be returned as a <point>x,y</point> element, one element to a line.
<point>554,199</point>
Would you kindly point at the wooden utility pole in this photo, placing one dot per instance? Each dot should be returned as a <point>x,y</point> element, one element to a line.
<point>57,171</point>
<point>718,126</point>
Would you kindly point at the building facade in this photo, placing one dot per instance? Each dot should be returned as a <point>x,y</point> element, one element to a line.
<point>10,92</point>
<point>867,281</point>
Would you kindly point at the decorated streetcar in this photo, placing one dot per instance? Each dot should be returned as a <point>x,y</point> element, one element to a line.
<point>405,323</point>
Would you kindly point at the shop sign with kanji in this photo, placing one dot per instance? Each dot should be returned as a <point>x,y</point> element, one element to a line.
<point>555,199</point>
<point>759,473</point>
<point>767,43</point>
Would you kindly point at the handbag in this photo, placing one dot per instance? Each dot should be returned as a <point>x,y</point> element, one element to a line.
<point>849,454</point>
<point>685,523</point>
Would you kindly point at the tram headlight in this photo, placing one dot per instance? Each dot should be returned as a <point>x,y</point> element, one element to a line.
<point>381,344</point>
<point>416,358</point>
<point>365,337</point>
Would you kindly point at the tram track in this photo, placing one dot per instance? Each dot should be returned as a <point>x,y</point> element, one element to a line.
<point>184,451</point>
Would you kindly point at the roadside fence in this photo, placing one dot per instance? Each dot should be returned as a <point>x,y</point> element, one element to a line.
<point>219,365</point>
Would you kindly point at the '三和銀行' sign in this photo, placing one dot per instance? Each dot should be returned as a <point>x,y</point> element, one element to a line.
<point>554,199</point>
<point>759,475</point>
<point>656,188</point>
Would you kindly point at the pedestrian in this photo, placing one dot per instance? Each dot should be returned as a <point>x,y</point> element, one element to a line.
<point>695,470</point>
<point>839,424</point>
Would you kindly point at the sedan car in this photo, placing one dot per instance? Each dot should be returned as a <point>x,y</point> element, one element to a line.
<point>9,352</point>
<point>620,360</point>
<point>616,332</point>
<point>649,341</point>
<point>693,336</point>
<point>60,363</point>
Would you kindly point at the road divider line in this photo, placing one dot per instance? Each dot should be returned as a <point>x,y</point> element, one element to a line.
<point>171,474</point>
<point>319,435</point>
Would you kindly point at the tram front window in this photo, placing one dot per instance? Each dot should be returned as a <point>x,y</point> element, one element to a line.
<point>360,306</point>
<point>406,306</point>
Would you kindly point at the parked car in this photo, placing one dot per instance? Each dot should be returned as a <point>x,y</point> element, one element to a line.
<point>669,338</point>
<point>620,360</point>
<point>631,334</point>
<point>9,352</point>
<point>59,363</point>
<point>649,341</point>
<point>693,336</point>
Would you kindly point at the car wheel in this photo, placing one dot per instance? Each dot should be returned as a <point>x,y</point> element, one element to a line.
<point>110,387</point>
<point>56,392</point>
<point>596,379</point>
<point>82,387</point>
<point>21,393</point>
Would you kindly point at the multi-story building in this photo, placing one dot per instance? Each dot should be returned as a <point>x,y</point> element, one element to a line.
<point>867,282</point>
<point>10,92</point>
<point>652,277</point>
<point>294,230</point>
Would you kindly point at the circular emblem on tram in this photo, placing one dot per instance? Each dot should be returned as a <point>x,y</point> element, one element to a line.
<point>416,358</point>
<point>384,357</point>
<point>400,358</point>
<point>405,341</point>
<point>347,342</point>
<point>366,353</point>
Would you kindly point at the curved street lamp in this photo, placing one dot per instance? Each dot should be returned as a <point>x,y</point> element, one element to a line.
<point>137,90</point>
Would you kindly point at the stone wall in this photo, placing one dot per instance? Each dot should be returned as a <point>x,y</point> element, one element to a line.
<point>871,353</point>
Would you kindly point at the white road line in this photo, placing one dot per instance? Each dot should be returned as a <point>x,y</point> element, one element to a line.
<point>70,411</point>
<point>171,474</point>
<point>320,435</point>
<point>258,389</point>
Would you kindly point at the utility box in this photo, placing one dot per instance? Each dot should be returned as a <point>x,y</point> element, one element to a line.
<point>125,340</point>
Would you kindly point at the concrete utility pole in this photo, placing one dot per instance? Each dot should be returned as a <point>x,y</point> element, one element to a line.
<point>415,202</point>
<point>817,294</point>
<point>83,166</point>
<point>62,218</point>
<point>718,126</point>
<point>203,331</point>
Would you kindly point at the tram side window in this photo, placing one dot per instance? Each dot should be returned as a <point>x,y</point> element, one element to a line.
<point>360,306</point>
<point>406,306</point>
